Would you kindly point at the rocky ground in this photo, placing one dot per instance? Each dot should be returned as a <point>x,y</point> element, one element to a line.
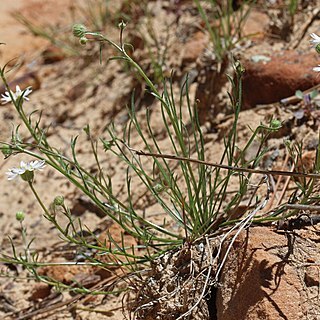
<point>271,272</point>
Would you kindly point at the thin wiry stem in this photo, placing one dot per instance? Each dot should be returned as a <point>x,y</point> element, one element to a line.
<point>227,167</point>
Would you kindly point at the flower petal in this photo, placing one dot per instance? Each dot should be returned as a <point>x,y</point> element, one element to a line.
<point>38,165</point>
<point>15,95</point>
<point>317,69</point>
<point>11,175</point>
<point>24,168</point>
<point>315,39</point>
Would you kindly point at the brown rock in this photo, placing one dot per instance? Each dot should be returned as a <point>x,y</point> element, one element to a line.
<point>286,72</point>
<point>136,41</point>
<point>118,235</point>
<point>86,280</point>
<point>311,277</point>
<point>64,273</point>
<point>52,54</point>
<point>194,47</point>
<point>307,162</point>
<point>40,291</point>
<point>256,283</point>
<point>256,24</point>
<point>29,79</point>
<point>77,91</point>
<point>82,204</point>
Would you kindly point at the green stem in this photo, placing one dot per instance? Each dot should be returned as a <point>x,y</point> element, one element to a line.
<point>38,198</point>
<point>24,240</point>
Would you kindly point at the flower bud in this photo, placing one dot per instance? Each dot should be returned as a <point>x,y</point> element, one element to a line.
<point>58,201</point>
<point>158,188</point>
<point>122,25</point>
<point>275,124</point>
<point>79,30</point>
<point>20,216</point>
<point>239,68</point>
<point>6,150</point>
<point>83,41</point>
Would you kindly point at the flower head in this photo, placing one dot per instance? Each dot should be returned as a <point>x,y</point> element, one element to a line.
<point>315,39</point>
<point>79,30</point>
<point>58,200</point>
<point>6,97</point>
<point>20,216</point>
<point>26,170</point>
<point>317,69</point>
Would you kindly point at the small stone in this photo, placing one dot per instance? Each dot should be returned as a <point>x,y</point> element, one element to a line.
<point>306,164</point>
<point>77,91</point>
<point>40,291</point>
<point>63,273</point>
<point>52,54</point>
<point>311,277</point>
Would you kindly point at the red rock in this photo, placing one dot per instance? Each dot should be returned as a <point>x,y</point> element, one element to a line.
<point>256,283</point>
<point>286,72</point>
<point>194,47</point>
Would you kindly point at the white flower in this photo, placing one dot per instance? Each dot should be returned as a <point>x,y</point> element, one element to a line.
<point>315,39</point>
<point>26,170</point>
<point>16,95</point>
<point>317,69</point>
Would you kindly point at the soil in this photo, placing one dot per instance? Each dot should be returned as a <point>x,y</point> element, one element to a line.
<point>278,266</point>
